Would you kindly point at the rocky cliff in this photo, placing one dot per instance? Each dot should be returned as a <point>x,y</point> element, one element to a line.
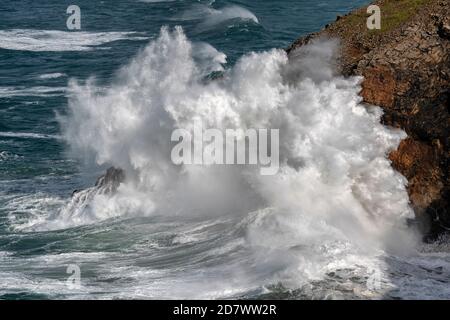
<point>406,70</point>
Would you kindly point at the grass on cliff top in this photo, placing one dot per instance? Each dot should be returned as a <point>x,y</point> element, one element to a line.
<point>393,14</point>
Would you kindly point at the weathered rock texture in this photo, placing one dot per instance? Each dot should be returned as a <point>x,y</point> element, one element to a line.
<point>406,70</point>
<point>110,181</point>
<point>105,184</point>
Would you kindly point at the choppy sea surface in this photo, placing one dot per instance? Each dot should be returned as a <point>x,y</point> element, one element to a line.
<point>331,225</point>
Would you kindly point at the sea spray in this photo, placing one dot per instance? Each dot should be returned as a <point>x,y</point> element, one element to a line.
<point>211,18</point>
<point>336,199</point>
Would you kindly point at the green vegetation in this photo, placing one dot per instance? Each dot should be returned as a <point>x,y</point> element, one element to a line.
<point>393,14</point>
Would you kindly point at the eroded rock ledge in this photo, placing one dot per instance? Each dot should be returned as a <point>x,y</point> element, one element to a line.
<point>406,67</point>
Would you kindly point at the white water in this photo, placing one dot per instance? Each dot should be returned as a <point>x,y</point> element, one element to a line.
<point>55,40</point>
<point>54,75</point>
<point>211,17</point>
<point>336,203</point>
<point>336,206</point>
<point>6,156</point>
<point>28,135</point>
<point>331,144</point>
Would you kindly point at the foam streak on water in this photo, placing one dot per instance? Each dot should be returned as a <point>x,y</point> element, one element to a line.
<point>55,40</point>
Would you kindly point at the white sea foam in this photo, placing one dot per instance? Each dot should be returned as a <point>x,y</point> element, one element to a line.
<point>336,200</point>
<point>208,58</point>
<point>6,156</point>
<point>28,135</point>
<point>324,224</point>
<point>14,281</point>
<point>52,75</point>
<point>39,91</point>
<point>55,40</point>
<point>25,211</point>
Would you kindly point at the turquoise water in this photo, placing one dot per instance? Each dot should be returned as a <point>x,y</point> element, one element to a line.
<point>156,256</point>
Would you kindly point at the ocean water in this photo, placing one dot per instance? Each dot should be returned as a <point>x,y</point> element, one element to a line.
<point>330,225</point>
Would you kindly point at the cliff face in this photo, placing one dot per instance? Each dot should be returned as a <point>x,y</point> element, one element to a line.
<point>406,70</point>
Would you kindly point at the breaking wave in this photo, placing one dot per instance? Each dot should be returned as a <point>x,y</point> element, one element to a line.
<point>210,18</point>
<point>336,201</point>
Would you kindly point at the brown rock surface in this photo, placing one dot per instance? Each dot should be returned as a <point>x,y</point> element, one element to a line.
<point>406,67</point>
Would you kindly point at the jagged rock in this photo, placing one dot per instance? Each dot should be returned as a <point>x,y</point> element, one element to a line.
<point>110,181</point>
<point>105,184</point>
<point>406,67</point>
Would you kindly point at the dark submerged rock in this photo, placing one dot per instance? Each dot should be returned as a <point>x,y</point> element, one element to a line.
<point>110,181</point>
<point>105,184</point>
